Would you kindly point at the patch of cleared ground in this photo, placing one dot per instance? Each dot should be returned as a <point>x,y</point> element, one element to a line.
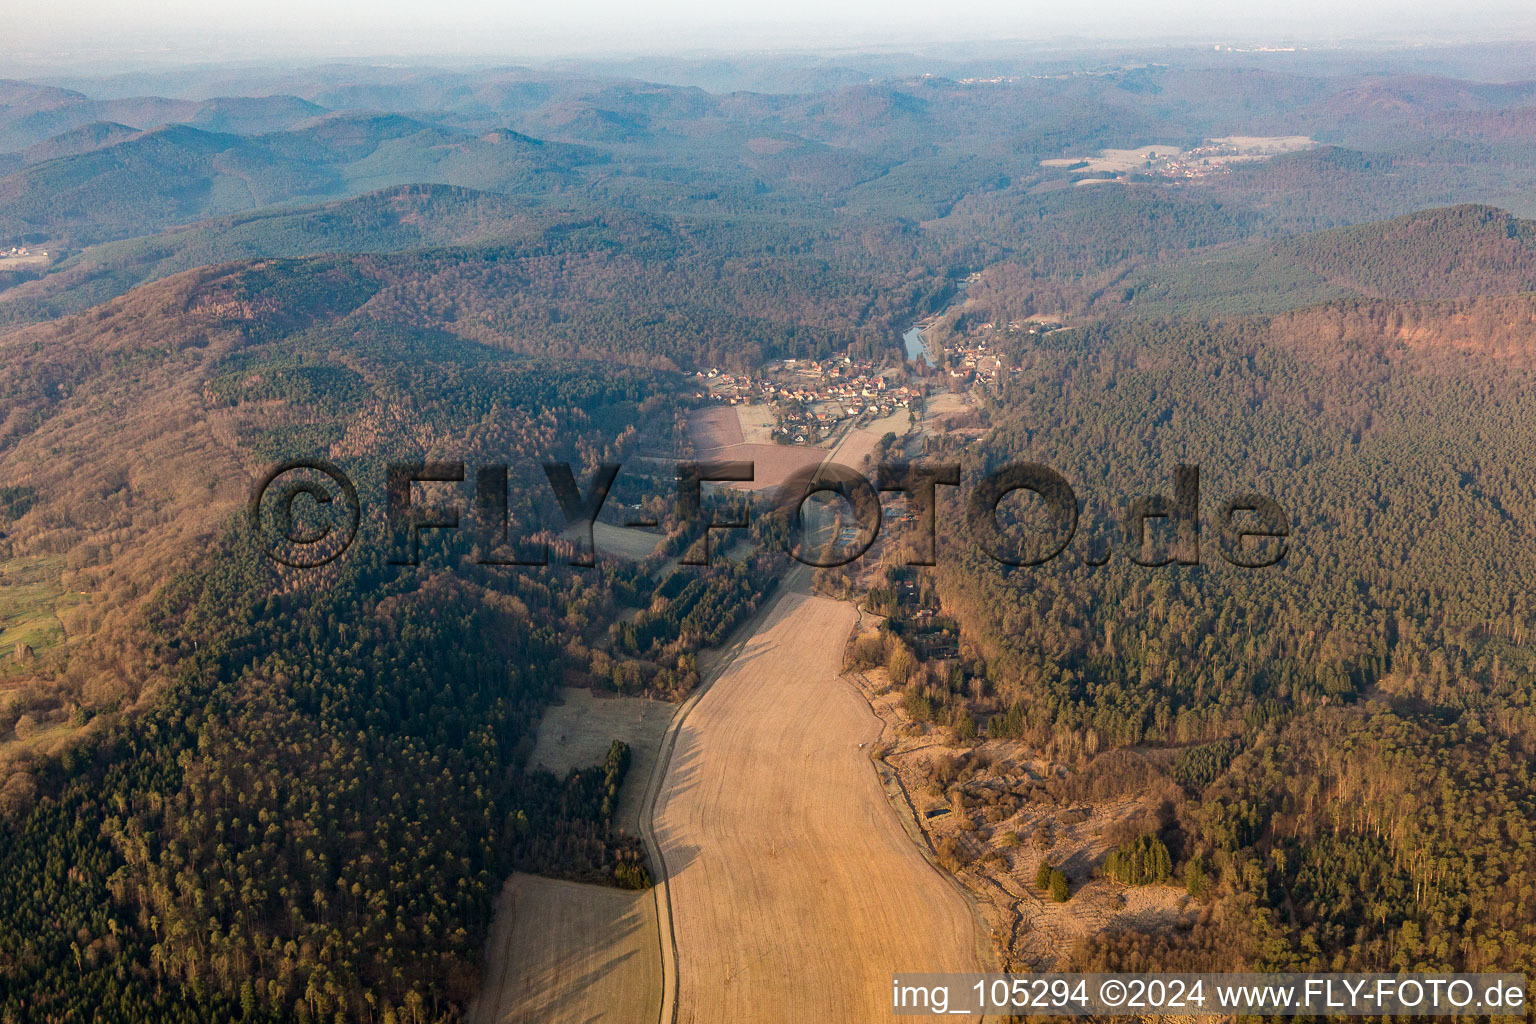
<point>715,426</point>
<point>793,890</point>
<point>1001,849</point>
<point>30,592</point>
<point>1122,161</point>
<point>1267,145</point>
<point>578,732</point>
<point>568,953</point>
<point>741,547</point>
<point>756,423</point>
<point>565,952</point>
<point>859,443</point>
<point>772,464</point>
<point>625,541</point>
<point>718,437</point>
<point>1115,160</point>
<point>939,408</point>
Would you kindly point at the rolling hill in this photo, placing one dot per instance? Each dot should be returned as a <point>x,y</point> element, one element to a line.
<point>233,792</point>
<point>77,141</point>
<point>252,115</point>
<point>171,175</point>
<point>129,437</point>
<point>1454,252</point>
<point>391,220</point>
<point>31,113</point>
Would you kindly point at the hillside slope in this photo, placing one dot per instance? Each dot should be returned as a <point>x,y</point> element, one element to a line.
<point>391,220</point>
<point>1448,253</point>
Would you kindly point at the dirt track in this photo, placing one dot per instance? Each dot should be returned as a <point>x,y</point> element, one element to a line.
<point>793,891</point>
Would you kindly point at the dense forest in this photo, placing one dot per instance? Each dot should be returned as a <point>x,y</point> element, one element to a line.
<point>294,796</point>
<point>1351,725</point>
<point>315,817</point>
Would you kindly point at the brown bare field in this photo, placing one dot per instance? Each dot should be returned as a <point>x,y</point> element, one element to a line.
<point>564,951</point>
<point>772,464</point>
<point>859,443</point>
<point>1267,145</point>
<point>717,426</point>
<point>717,435</point>
<point>939,408</point>
<point>1122,161</point>
<point>1116,160</point>
<point>756,423</point>
<point>578,732</point>
<point>794,892</point>
<point>568,953</point>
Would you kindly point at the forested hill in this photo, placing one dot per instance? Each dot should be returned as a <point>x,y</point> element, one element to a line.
<point>121,450</point>
<point>77,141</point>
<point>228,791</point>
<point>1433,333</point>
<point>1343,741</point>
<point>1454,252</point>
<point>30,113</point>
<point>242,792</point>
<point>178,173</point>
<point>390,220</point>
<point>637,287</point>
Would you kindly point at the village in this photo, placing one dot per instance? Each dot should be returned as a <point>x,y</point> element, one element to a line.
<point>22,256</point>
<point>813,399</point>
<point>969,360</point>
<point>1213,156</point>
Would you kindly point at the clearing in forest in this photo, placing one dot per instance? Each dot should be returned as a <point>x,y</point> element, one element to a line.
<point>578,731</point>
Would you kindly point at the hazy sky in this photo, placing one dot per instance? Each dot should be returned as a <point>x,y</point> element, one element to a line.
<point>40,29</point>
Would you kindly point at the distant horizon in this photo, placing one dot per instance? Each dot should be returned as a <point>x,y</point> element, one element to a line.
<point>77,69</point>
<point>110,37</point>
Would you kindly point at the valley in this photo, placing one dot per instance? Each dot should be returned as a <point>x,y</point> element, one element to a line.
<point>794,891</point>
